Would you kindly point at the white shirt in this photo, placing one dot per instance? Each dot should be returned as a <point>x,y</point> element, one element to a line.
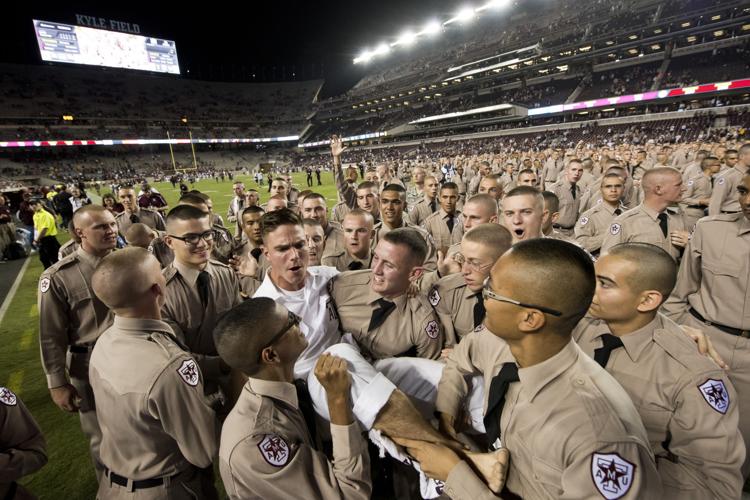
<point>319,321</point>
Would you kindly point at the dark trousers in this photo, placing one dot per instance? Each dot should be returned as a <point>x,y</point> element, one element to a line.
<point>48,248</point>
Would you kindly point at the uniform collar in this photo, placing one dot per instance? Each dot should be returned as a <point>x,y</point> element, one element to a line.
<point>188,273</point>
<point>89,259</point>
<point>635,342</point>
<point>373,297</point>
<point>611,209</point>
<point>283,391</point>
<point>444,214</point>
<point>650,212</point>
<point>142,325</point>
<point>537,377</point>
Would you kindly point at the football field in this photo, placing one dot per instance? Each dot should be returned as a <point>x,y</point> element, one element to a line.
<point>69,473</point>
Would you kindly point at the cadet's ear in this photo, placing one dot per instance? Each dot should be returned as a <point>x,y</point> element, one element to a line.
<point>531,321</point>
<point>554,217</point>
<point>269,356</point>
<point>493,219</point>
<point>650,300</point>
<point>415,274</point>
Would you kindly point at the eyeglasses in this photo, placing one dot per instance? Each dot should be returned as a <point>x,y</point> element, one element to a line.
<point>292,321</point>
<point>488,293</point>
<point>459,258</point>
<point>193,239</point>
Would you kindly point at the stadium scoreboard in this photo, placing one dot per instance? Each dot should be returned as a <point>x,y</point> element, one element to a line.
<point>68,43</point>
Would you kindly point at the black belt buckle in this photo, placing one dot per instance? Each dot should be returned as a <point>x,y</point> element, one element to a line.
<point>139,484</point>
<point>80,349</point>
<point>727,329</point>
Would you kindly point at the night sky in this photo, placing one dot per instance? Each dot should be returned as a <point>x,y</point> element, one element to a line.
<point>270,39</point>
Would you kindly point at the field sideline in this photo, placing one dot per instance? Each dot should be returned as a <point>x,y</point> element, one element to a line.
<point>69,473</point>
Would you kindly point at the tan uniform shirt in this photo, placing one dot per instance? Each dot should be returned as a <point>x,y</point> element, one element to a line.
<point>592,196</point>
<point>69,315</point>
<point>430,262</point>
<point>571,430</point>
<point>454,304</point>
<point>419,212</point>
<point>725,197</point>
<point>334,238</point>
<point>411,329</point>
<point>594,225</point>
<point>698,187</point>
<point>193,323</point>
<point>22,446</point>
<point>339,211</point>
<point>568,205</point>
<point>686,402</point>
<point>266,450</point>
<point>437,227</point>
<point>413,196</point>
<point>641,224</point>
<point>343,261</point>
<point>66,249</point>
<point>154,419</point>
<point>151,218</point>
<point>158,247</point>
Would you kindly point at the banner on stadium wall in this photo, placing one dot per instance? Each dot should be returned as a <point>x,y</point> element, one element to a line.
<point>141,142</point>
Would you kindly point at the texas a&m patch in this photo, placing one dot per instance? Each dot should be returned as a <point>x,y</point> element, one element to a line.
<point>432,329</point>
<point>716,395</point>
<point>612,474</point>
<point>584,221</point>
<point>274,450</point>
<point>615,229</point>
<point>7,397</point>
<point>44,284</point>
<point>434,297</point>
<point>188,372</point>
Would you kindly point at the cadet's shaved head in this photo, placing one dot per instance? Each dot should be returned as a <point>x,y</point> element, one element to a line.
<point>139,235</point>
<point>122,278</point>
<point>652,268</point>
<point>84,213</point>
<point>485,201</point>
<point>657,177</point>
<point>245,330</point>
<point>493,236</point>
<point>550,273</point>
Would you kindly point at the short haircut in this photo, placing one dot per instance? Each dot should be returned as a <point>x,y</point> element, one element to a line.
<point>122,186</point>
<point>745,148</point>
<point>653,268</point>
<point>311,222</point>
<point>612,175</point>
<point>255,209</point>
<point>185,212</point>
<point>449,185</point>
<point>85,210</point>
<point>273,220</point>
<point>526,171</point>
<point>194,198</point>
<point>245,330</point>
<point>731,151</point>
<point>495,177</point>
<point>358,212</point>
<point>119,277</point>
<point>316,196</point>
<point>278,179</point>
<point>707,161</point>
<point>522,191</point>
<point>367,185</point>
<point>616,169</point>
<point>494,236</point>
<point>555,274</point>
<point>485,201</point>
<point>551,201</point>
<point>411,239</point>
<point>651,177</point>
<point>398,188</point>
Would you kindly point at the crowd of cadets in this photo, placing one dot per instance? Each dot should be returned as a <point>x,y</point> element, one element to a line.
<point>563,324</point>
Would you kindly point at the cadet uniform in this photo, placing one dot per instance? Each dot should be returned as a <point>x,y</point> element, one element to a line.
<point>191,319</point>
<point>571,430</point>
<point>724,198</point>
<point>592,196</point>
<point>419,212</point>
<point>594,225</point>
<point>698,187</point>
<point>267,451</point>
<point>459,309</point>
<point>413,196</point>
<point>157,430</point>
<point>71,318</point>
<point>234,214</point>
<point>334,238</point>
<point>67,248</point>
<point>686,402</point>
<point>151,218</point>
<point>22,446</point>
<point>343,261</point>
<point>339,211</point>
<point>381,229</point>
<point>713,294</point>
<point>569,205</point>
<point>437,226</point>
<point>409,328</point>
<point>641,225</point>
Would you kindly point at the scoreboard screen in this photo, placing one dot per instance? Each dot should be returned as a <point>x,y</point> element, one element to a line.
<point>68,43</point>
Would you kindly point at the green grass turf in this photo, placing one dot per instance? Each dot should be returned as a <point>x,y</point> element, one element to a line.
<point>69,473</point>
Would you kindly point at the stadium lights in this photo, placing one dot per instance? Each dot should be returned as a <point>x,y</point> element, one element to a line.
<point>431,28</point>
<point>464,15</point>
<point>493,4</point>
<point>406,39</point>
<point>383,48</point>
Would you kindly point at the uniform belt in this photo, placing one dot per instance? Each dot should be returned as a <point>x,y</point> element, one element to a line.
<point>138,484</point>
<point>727,329</point>
<point>730,211</point>
<point>696,206</point>
<point>81,349</point>
<point>558,226</point>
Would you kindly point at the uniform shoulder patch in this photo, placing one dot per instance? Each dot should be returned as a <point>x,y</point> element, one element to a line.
<point>188,372</point>
<point>691,182</point>
<point>274,450</point>
<point>722,180</point>
<point>612,475</point>
<point>434,297</point>
<point>44,284</point>
<point>614,229</point>
<point>7,397</point>
<point>584,221</point>
<point>432,329</point>
<point>716,395</point>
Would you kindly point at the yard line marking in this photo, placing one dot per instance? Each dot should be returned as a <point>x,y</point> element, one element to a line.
<point>13,289</point>
<point>27,337</point>
<point>14,381</point>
